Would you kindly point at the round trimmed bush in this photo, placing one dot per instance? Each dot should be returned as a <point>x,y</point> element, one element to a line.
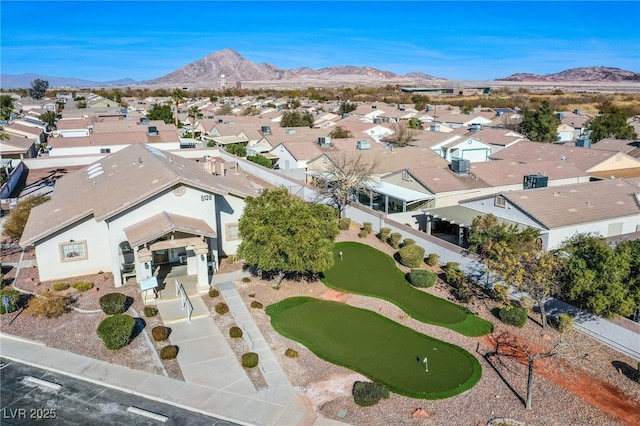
<point>116,330</point>
<point>432,259</point>
<point>235,332</point>
<point>221,308</point>
<point>169,352</point>
<point>366,394</point>
<point>408,242</point>
<point>82,286</point>
<point>291,353</point>
<point>513,315</point>
<point>256,305</point>
<point>384,234</point>
<point>150,311</point>
<point>60,286</point>
<point>160,333</point>
<point>113,303</point>
<point>214,292</point>
<point>249,360</point>
<point>246,279</point>
<point>344,223</point>
<point>363,233</point>
<point>395,238</point>
<point>422,278</point>
<point>366,226</point>
<point>411,255</point>
<point>14,300</point>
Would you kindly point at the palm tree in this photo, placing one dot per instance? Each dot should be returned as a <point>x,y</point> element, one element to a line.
<point>178,98</point>
<point>6,106</point>
<point>196,114</point>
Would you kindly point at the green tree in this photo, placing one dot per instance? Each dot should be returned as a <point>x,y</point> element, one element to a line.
<point>260,159</point>
<point>38,88</point>
<point>346,107</point>
<point>466,109</point>
<point>598,277</point>
<point>194,114</point>
<point>340,132</point>
<point>420,101</point>
<point>414,123</point>
<point>237,149</point>
<point>612,123</point>
<point>297,119</point>
<point>50,118</point>
<point>6,106</point>
<point>178,97</point>
<point>14,227</point>
<point>540,124</point>
<point>4,175</point>
<point>284,234</point>
<point>161,112</point>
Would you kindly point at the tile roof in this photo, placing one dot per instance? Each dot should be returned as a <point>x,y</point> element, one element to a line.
<point>119,182</point>
<point>500,173</point>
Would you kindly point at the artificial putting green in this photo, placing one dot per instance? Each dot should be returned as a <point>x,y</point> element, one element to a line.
<point>370,272</point>
<point>377,347</point>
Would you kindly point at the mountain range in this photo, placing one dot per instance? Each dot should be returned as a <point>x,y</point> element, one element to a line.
<point>230,65</point>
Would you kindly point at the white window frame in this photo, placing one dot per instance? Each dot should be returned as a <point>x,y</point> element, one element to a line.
<point>73,251</point>
<point>232,231</point>
<point>500,201</point>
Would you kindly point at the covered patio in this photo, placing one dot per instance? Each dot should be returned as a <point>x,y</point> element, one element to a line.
<point>389,198</point>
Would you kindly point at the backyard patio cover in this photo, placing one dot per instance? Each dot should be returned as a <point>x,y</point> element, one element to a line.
<point>399,192</point>
<point>162,223</point>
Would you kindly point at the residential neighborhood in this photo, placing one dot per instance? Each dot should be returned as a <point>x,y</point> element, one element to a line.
<point>153,207</point>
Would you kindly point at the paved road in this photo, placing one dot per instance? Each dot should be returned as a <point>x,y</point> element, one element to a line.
<point>78,402</point>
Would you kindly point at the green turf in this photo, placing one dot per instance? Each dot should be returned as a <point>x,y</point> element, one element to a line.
<point>365,270</point>
<point>377,347</point>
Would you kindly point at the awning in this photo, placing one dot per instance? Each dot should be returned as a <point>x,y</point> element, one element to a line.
<point>399,192</point>
<point>160,224</point>
<point>454,214</point>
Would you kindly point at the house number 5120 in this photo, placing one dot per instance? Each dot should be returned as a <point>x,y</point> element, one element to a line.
<point>207,197</point>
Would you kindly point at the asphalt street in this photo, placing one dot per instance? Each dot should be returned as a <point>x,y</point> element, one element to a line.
<point>25,401</point>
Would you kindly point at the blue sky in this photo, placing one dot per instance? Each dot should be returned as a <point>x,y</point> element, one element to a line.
<point>100,40</point>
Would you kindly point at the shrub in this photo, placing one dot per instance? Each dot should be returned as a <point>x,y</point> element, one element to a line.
<point>526,303</point>
<point>366,394</point>
<point>344,223</point>
<point>82,285</point>
<point>363,233</point>
<point>256,305</point>
<point>221,308</point>
<point>246,280</point>
<point>60,286</point>
<point>513,315</point>
<point>422,278</point>
<point>249,360</point>
<point>150,311</point>
<point>291,353</point>
<point>411,256</point>
<point>408,242</point>
<point>453,274</point>
<point>116,330</point>
<point>384,234</point>
<point>214,292</point>
<point>235,332</point>
<point>14,300</point>
<point>48,306</point>
<point>501,293</point>
<point>462,293</point>
<point>432,259</point>
<point>366,226</point>
<point>565,322</point>
<point>395,238</point>
<point>160,333</point>
<point>113,303</point>
<point>169,352</point>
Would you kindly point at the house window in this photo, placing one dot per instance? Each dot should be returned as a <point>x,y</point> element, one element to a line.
<point>614,229</point>
<point>105,150</point>
<point>232,231</point>
<point>499,201</point>
<point>73,250</point>
<point>406,175</point>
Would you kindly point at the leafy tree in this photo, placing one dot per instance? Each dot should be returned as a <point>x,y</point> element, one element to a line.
<point>38,88</point>
<point>414,123</point>
<point>466,109</point>
<point>599,277</point>
<point>17,220</point>
<point>4,176</point>
<point>293,104</point>
<point>226,109</point>
<point>344,176</point>
<point>178,97</point>
<point>420,101</point>
<point>161,112</point>
<point>285,235</point>
<point>515,256</point>
<point>346,107</point>
<point>260,159</point>
<point>6,106</point>
<point>49,117</point>
<point>297,119</point>
<point>194,114</point>
<point>237,149</point>
<point>340,132</point>
<point>611,124</point>
<point>540,124</point>
<point>402,135</point>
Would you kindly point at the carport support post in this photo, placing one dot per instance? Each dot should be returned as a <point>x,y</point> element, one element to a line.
<point>460,235</point>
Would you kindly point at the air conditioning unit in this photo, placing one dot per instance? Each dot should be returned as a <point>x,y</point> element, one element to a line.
<point>153,131</point>
<point>583,143</point>
<point>535,181</point>
<point>266,130</point>
<point>362,145</point>
<point>324,141</point>
<point>460,166</point>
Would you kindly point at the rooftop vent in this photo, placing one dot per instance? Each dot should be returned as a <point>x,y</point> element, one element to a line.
<point>94,170</point>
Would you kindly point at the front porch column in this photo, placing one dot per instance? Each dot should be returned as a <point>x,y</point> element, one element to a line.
<point>460,235</point>
<point>143,261</point>
<point>428,224</point>
<point>202,269</point>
